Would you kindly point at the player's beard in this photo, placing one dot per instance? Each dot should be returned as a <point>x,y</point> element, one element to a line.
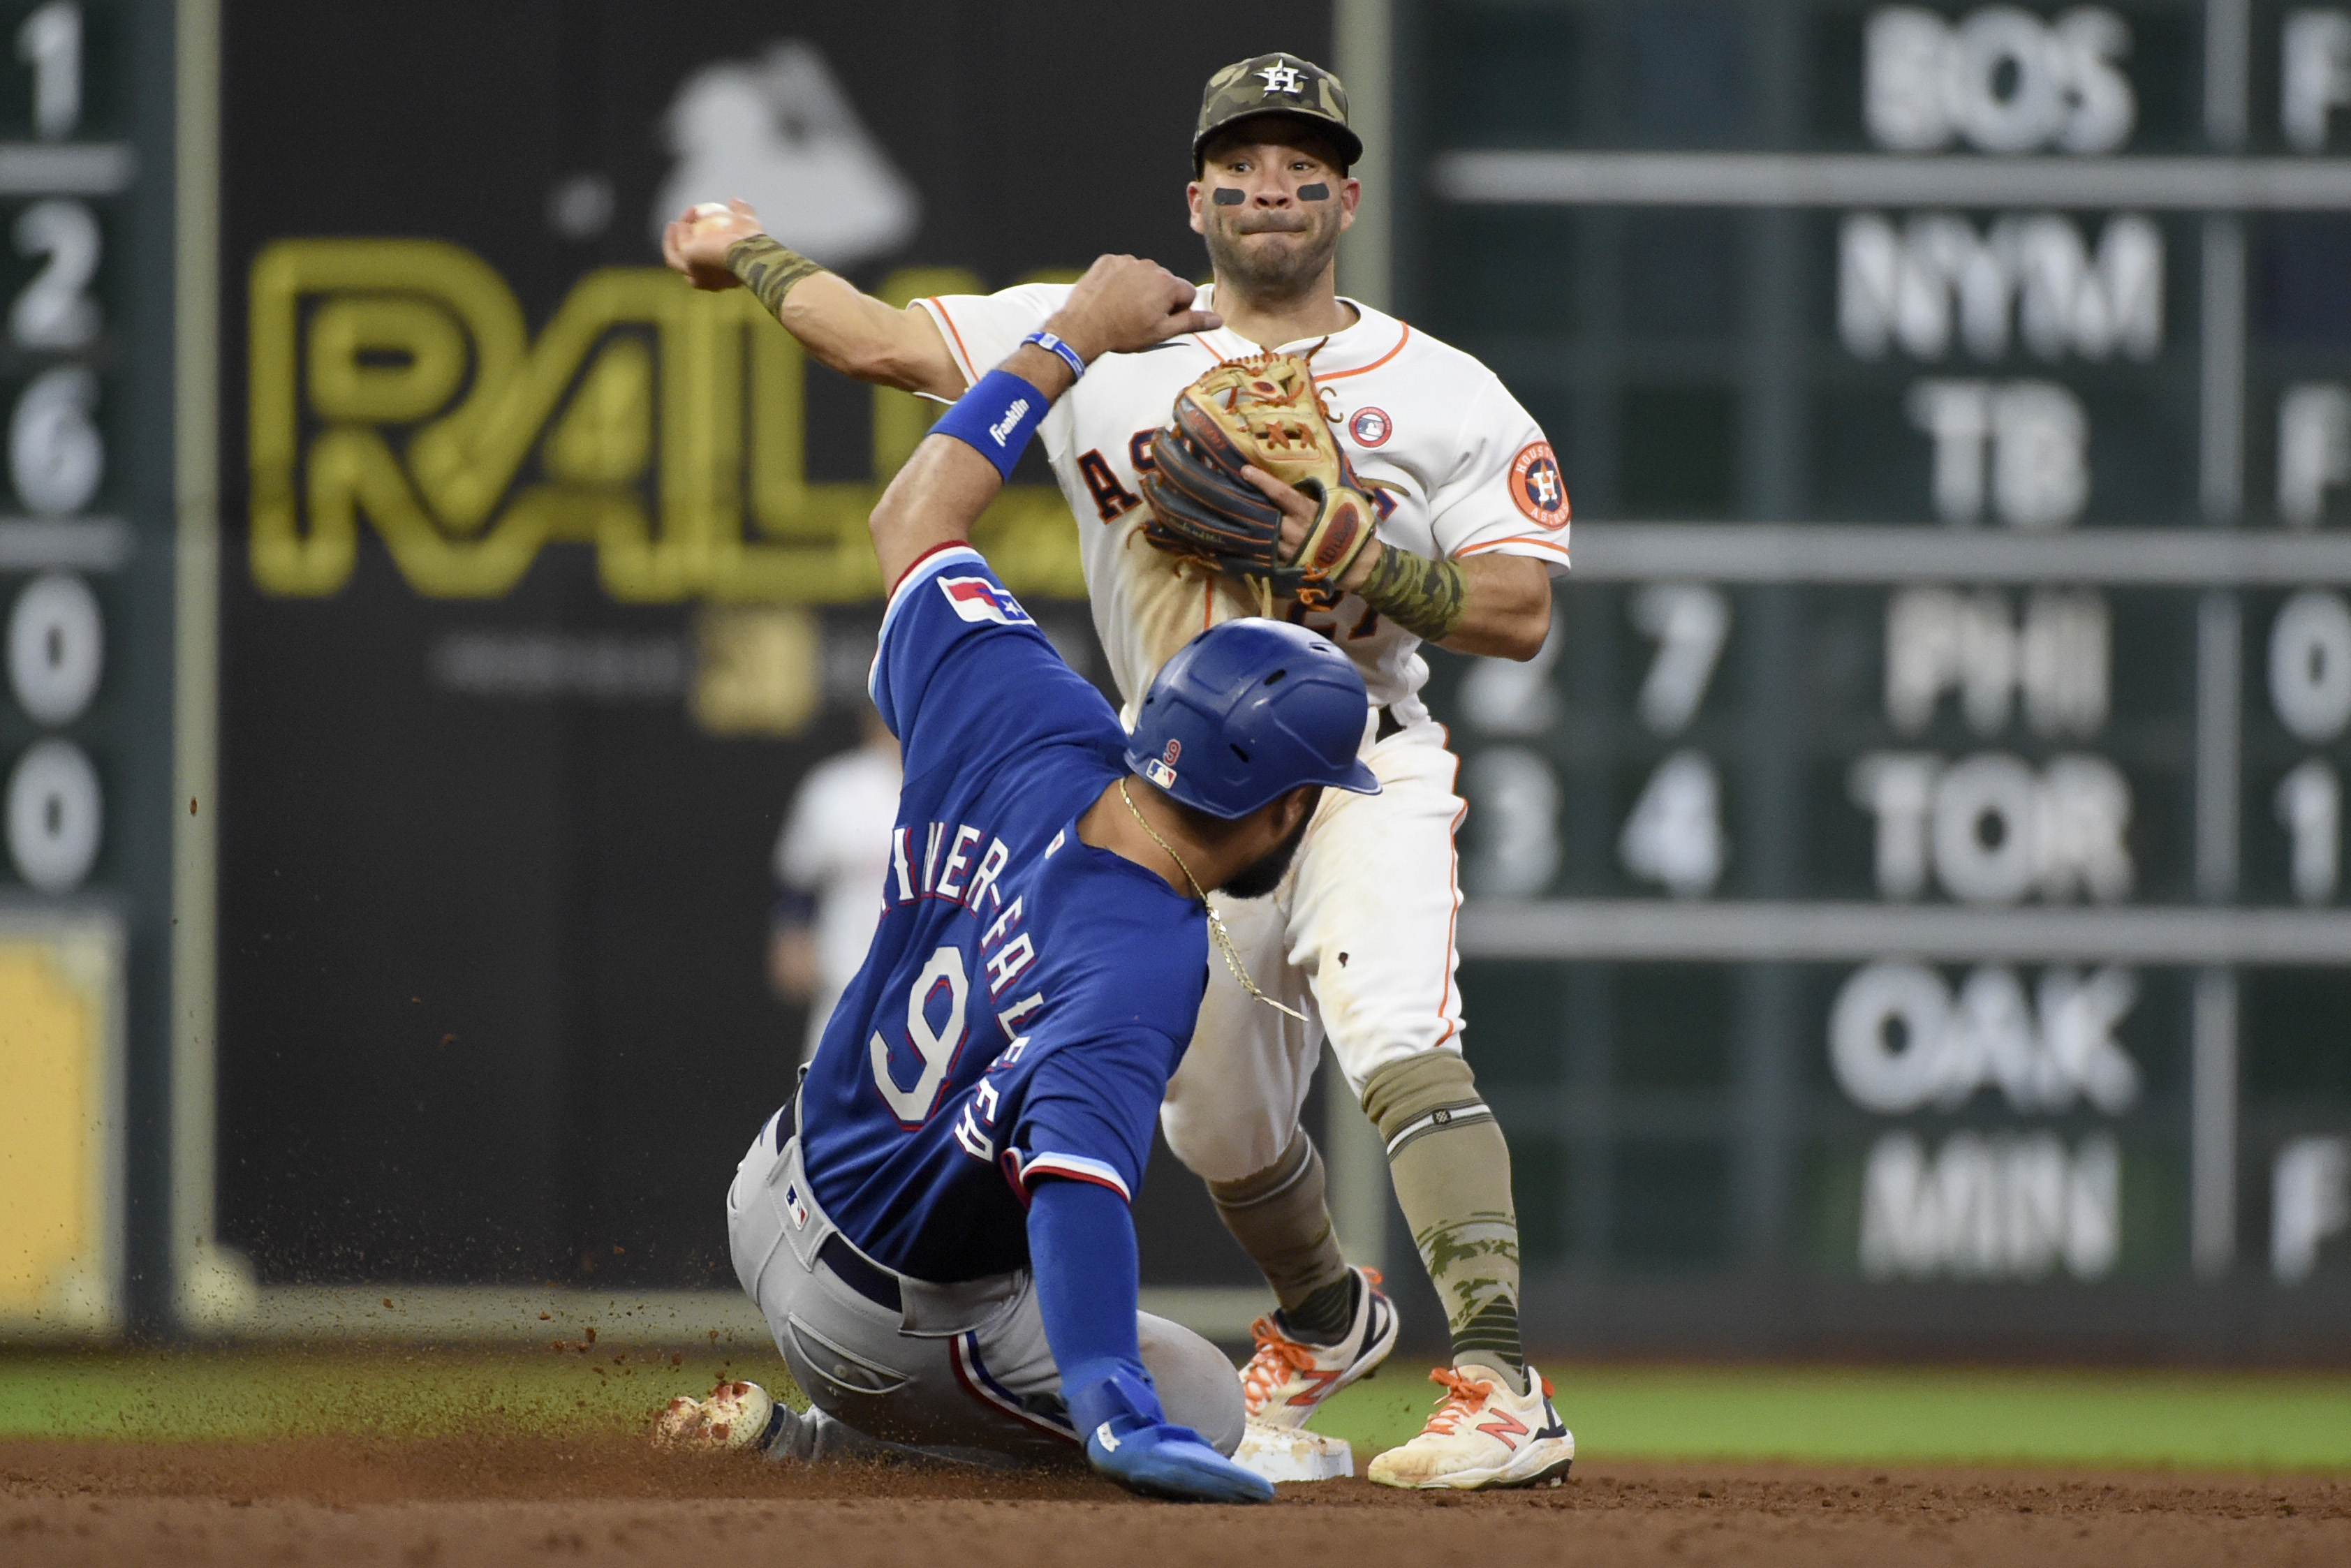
<point>1274,274</point>
<point>1264,874</point>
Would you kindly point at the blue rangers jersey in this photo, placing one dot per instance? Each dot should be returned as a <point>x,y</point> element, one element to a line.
<point>1026,996</point>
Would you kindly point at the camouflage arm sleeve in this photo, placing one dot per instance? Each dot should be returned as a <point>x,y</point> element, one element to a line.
<point>768,267</point>
<point>1425,597</point>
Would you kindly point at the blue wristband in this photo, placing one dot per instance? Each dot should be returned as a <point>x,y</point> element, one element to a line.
<point>1052,345</point>
<point>995,418</point>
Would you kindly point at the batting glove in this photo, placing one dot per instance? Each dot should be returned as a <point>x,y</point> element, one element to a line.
<point>1129,1440</point>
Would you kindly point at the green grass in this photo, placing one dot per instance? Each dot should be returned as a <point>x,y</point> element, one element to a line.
<point>394,1392</point>
<point>2179,1420</point>
<point>2105,1419</point>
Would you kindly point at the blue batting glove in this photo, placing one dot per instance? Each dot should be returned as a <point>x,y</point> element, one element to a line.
<point>1163,1460</point>
<point>1130,1440</point>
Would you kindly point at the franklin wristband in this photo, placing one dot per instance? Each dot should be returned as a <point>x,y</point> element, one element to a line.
<point>1052,345</point>
<point>995,418</point>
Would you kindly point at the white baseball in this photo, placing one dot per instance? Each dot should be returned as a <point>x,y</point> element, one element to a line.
<point>704,211</point>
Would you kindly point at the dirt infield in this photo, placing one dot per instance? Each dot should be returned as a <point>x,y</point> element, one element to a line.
<point>418,1502</point>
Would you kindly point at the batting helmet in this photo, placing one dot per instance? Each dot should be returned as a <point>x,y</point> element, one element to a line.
<point>1248,711</point>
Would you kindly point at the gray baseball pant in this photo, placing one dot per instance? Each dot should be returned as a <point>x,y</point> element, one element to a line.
<point>955,1372</point>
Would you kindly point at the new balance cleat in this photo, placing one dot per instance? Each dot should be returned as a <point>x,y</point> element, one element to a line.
<point>735,1416</point>
<point>1482,1437</point>
<point>1288,1379</point>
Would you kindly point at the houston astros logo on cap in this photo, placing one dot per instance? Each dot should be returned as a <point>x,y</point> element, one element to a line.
<point>1536,486</point>
<point>1371,426</point>
<point>1282,84</point>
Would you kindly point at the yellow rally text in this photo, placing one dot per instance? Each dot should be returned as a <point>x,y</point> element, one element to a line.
<point>395,380</point>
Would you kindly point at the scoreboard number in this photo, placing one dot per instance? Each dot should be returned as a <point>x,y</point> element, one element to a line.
<point>1690,623</point>
<point>55,809</point>
<point>55,457</point>
<point>50,40</point>
<point>55,310</point>
<point>56,647</point>
<point>2310,664</point>
<point>2310,688</point>
<point>55,806</point>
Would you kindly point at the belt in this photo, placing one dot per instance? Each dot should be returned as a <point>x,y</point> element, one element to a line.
<point>877,1285</point>
<point>1388,725</point>
<point>870,1281</point>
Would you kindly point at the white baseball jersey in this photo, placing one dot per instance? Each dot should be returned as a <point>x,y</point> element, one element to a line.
<point>1460,470</point>
<point>835,846</point>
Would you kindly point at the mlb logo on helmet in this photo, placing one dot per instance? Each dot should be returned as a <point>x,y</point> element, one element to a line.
<point>1255,707</point>
<point>1536,486</point>
<point>976,599</point>
<point>1371,427</point>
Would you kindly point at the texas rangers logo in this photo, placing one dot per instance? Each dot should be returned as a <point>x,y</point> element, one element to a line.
<point>976,599</point>
<point>1283,77</point>
<point>1161,770</point>
<point>1371,427</point>
<point>1536,486</point>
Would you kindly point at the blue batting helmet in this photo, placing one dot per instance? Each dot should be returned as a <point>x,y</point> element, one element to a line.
<point>1246,712</point>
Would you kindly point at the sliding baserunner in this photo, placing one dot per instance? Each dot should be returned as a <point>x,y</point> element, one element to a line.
<point>937,1228</point>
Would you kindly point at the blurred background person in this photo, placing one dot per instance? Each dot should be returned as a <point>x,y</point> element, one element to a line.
<point>829,861</point>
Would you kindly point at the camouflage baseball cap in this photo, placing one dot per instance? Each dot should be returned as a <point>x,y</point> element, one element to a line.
<point>1276,84</point>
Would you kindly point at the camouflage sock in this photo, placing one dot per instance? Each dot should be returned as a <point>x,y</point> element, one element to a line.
<point>1283,1221</point>
<point>1325,1316</point>
<point>1452,1174</point>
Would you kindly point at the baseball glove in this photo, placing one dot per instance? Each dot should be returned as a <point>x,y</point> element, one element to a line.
<point>1263,411</point>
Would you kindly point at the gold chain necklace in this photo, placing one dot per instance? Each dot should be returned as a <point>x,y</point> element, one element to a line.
<point>1216,923</point>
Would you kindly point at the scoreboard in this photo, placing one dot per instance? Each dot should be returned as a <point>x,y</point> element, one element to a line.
<point>1913,870</point>
<point>88,580</point>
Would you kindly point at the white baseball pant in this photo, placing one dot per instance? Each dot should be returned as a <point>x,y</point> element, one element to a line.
<point>1359,937</point>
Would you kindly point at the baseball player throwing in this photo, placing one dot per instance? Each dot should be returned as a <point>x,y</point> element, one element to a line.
<point>936,1229</point>
<point>1467,525</point>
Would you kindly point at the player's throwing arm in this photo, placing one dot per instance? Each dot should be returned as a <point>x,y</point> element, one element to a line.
<point>720,245</point>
